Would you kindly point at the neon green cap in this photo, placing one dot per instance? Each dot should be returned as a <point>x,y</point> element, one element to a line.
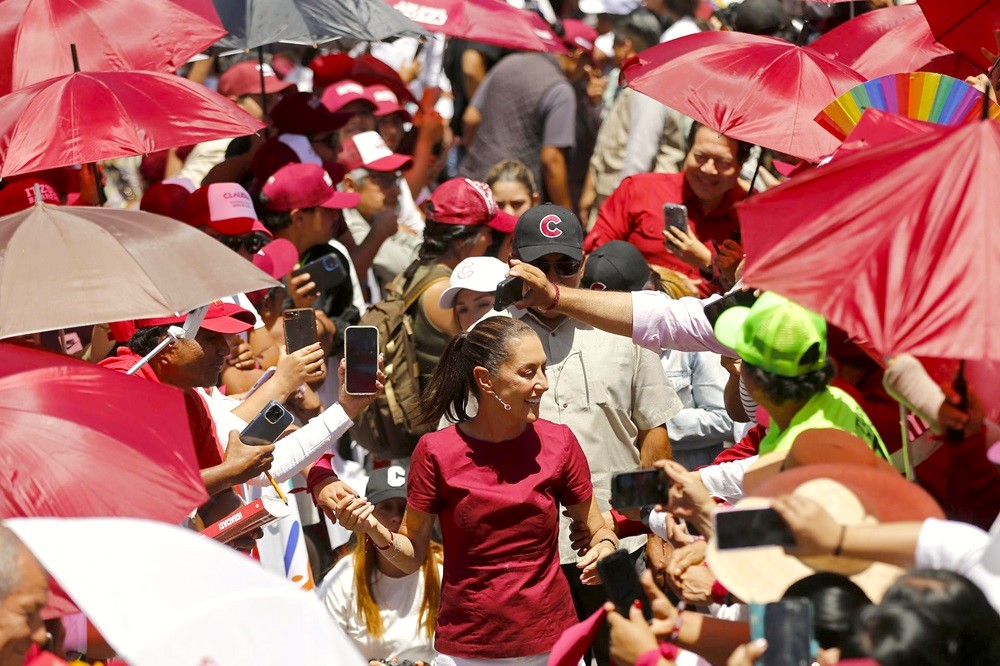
<point>775,335</point>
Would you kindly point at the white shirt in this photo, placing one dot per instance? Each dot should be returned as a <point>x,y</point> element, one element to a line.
<point>958,547</point>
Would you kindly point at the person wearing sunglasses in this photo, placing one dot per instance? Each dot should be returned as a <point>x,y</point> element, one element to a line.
<point>613,395</point>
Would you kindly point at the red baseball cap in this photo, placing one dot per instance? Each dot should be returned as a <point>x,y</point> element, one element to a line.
<point>279,151</point>
<point>277,258</point>
<point>220,318</point>
<point>167,197</point>
<point>340,94</point>
<point>466,201</point>
<point>578,35</point>
<point>19,194</point>
<point>304,113</point>
<point>225,207</point>
<point>386,102</point>
<point>244,78</point>
<point>368,150</point>
<point>330,68</point>
<point>304,186</point>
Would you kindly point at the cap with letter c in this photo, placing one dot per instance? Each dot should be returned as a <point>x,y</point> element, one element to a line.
<point>546,229</point>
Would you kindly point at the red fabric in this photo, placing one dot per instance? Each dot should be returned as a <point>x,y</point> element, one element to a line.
<point>626,528</point>
<point>964,27</point>
<point>746,447</point>
<point>575,641</point>
<point>892,40</point>
<point>757,89</point>
<point>834,253</point>
<point>206,444</point>
<point>963,481</point>
<point>321,470</point>
<point>634,213</point>
<point>503,593</point>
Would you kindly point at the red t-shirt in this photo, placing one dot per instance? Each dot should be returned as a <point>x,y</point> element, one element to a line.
<point>634,213</point>
<point>503,593</point>
<point>206,443</point>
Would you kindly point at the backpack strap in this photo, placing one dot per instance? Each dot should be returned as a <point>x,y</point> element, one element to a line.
<point>412,294</point>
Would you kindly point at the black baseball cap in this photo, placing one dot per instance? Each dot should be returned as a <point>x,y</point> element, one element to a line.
<point>761,17</point>
<point>386,483</point>
<point>546,229</point>
<point>616,266</point>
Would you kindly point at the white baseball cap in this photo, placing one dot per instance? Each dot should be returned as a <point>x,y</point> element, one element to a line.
<point>620,7</point>
<point>481,274</point>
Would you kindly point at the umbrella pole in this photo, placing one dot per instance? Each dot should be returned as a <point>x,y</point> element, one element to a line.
<point>905,438</point>
<point>756,172</point>
<point>101,196</point>
<point>260,69</point>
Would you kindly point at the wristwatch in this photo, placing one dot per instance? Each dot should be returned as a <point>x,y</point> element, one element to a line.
<point>644,514</point>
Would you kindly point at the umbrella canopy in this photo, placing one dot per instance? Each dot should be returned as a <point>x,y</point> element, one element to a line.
<point>896,244</point>
<point>35,36</point>
<point>253,23</point>
<point>93,116</point>
<point>757,89</point>
<point>72,266</point>
<point>889,41</point>
<point>162,595</point>
<point>964,27</point>
<point>487,21</point>
<point>79,440</point>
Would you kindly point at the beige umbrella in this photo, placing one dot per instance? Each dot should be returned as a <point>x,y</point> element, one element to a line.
<point>74,266</point>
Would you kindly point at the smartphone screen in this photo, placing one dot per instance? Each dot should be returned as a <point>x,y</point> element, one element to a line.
<point>509,291</point>
<point>300,328</point>
<point>751,528</point>
<point>361,354</point>
<point>675,215</point>
<point>621,583</point>
<point>743,297</point>
<point>630,490</point>
<point>788,627</point>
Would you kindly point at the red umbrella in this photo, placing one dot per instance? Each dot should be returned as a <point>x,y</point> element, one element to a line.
<point>889,41</point>
<point>965,27</point>
<point>896,245</point>
<point>488,21</point>
<point>78,440</point>
<point>758,89</point>
<point>92,116</point>
<point>156,35</point>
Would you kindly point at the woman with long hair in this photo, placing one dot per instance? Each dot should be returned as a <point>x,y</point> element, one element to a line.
<point>513,187</point>
<point>495,480</point>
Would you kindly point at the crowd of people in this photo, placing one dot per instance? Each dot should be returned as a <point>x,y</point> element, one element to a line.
<point>459,514</point>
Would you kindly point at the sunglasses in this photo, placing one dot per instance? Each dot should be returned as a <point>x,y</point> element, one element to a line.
<point>252,243</point>
<point>563,267</point>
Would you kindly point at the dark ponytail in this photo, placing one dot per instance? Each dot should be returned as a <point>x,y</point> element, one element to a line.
<point>486,345</point>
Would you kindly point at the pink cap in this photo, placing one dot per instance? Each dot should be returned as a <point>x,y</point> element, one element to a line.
<point>19,194</point>
<point>220,318</point>
<point>243,78</point>
<point>342,93</point>
<point>463,201</point>
<point>368,150</point>
<point>578,35</point>
<point>386,102</point>
<point>304,186</point>
<point>277,258</point>
<point>225,207</point>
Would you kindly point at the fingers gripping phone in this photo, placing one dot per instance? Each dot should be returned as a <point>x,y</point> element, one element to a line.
<point>751,528</point>
<point>327,272</point>
<point>269,423</point>
<point>742,297</point>
<point>675,215</point>
<point>631,490</point>
<point>621,583</point>
<point>509,291</point>
<point>788,627</point>
<point>300,328</point>
<point>361,355</point>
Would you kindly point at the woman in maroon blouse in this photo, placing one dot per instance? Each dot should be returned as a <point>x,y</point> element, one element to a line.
<point>495,480</point>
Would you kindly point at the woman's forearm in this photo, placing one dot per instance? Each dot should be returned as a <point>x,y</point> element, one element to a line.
<point>397,549</point>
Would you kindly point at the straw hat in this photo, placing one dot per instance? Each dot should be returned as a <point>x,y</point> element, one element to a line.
<point>853,495</point>
<point>812,447</point>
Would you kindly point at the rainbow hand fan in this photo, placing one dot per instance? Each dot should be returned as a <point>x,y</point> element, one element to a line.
<point>924,96</point>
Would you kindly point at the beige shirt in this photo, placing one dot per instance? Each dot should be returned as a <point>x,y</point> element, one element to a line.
<point>606,389</point>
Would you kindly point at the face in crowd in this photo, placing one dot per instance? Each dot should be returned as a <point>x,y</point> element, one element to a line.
<point>520,381</point>
<point>712,166</point>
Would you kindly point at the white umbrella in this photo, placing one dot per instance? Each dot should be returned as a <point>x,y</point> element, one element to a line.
<point>163,595</point>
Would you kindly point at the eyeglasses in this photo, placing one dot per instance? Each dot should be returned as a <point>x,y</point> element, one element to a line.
<point>252,243</point>
<point>563,267</point>
<point>722,165</point>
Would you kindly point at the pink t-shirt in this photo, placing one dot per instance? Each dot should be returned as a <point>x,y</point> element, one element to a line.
<point>503,594</point>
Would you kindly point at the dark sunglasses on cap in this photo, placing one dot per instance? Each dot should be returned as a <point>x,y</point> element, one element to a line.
<point>565,267</point>
<point>252,243</point>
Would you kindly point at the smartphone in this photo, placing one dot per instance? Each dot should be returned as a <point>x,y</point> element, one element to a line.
<point>509,291</point>
<point>742,297</point>
<point>675,215</point>
<point>788,627</point>
<point>751,528</point>
<point>630,490</point>
<point>328,272</point>
<point>300,328</point>
<point>621,583</point>
<point>361,354</point>
<point>269,423</point>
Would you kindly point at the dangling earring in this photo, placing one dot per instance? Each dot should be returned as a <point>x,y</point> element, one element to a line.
<point>500,400</point>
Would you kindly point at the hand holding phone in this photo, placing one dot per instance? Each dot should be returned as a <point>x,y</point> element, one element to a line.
<point>622,585</point>
<point>751,528</point>
<point>632,490</point>
<point>327,272</point>
<point>361,345</point>
<point>787,625</point>
<point>509,291</point>
<point>675,215</point>
<point>300,328</point>
<point>269,423</point>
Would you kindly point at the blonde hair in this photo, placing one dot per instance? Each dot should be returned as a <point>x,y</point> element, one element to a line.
<point>365,571</point>
<point>673,284</point>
